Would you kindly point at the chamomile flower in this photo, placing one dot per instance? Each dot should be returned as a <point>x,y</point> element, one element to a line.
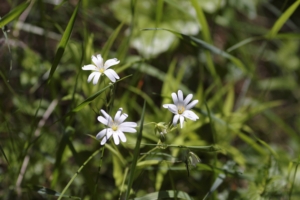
<point>99,68</point>
<point>181,108</point>
<point>116,127</point>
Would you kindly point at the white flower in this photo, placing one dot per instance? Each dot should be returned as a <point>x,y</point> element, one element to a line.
<point>116,127</point>
<point>98,69</point>
<point>181,108</point>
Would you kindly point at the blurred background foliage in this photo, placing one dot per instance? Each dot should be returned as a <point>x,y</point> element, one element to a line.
<point>240,59</point>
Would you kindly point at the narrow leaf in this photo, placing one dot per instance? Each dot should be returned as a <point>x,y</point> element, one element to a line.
<point>165,195</point>
<point>110,41</point>
<point>200,43</point>
<point>63,42</point>
<point>16,12</point>
<point>283,18</point>
<point>1,149</point>
<point>136,152</point>
<point>79,170</point>
<point>47,191</point>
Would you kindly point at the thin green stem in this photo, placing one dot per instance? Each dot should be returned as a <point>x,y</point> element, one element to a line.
<point>78,171</point>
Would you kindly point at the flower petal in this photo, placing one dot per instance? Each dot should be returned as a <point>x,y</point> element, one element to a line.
<point>89,67</point>
<point>118,114</point>
<point>98,61</point>
<point>110,63</point>
<point>175,99</point>
<point>91,76</point>
<point>173,109</point>
<point>103,120</point>
<point>122,136</point>
<point>187,99</point>
<point>190,115</point>
<point>101,134</point>
<point>111,74</point>
<point>107,116</point>
<point>127,129</point>
<point>180,96</point>
<point>122,118</point>
<point>175,119</point>
<point>109,132</point>
<point>167,105</point>
<point>116,138</point>
<point>129,124</point>
<point>96,78</point>
<point>192,104</point>
<point>181,121</point>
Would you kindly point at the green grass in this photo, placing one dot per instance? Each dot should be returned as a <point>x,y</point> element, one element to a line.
<point>239,59</point>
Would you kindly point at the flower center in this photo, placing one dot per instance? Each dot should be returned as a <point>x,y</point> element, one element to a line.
<point>101,70</point>
<point>181,109</point>
<point>114,127</point>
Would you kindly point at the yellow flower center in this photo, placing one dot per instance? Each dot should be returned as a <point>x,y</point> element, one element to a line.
<point>101,70</point>
<point>114,127</point>
<point>181,109</point>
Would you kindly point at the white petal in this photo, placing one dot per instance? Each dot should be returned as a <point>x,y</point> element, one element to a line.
<point>167,105</point>
<point>91,76</point>
<point>192,104</point>
<point>104,140</point>
<point>107,116</point>
<point>102,120</point>
<point>180,96</point>
<point>101,134</point>
<point>187,99</point>
<point>173,109</point>
<point>110,63</point>
<point>89,67</point>
<point>107,136</point>
<point>96,78</point>
<point>116,138</point>
<point>111,74</point>
<point>129,124</point>
<point>118,114</point>
<point>190,115</point>
<point>122,136</point>
<point>98,61</point>
<point>122,118</point>
<point>175,119</point>
<point>127,129</point>
<point>181,121</point>
<point>175,99</point>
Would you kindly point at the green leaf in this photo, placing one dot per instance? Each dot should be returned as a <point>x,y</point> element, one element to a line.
<point>47,191</point>
<point>136,152</point>
<point>200,43</point>
<point>283,18</point>
<point>110,41</point>
<point>78,171</point>
<point>1,149</point>
<point>63,42</point>
<point>167,194</point>
<point>91,98</point>
<point>13,14</point>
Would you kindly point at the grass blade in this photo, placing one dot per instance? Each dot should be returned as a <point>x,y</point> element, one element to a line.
<point>200,43</point>
<point>46,191</point>
<point>136,152</point>
<point>1,149</point>
<point>167,194</point>
<point>13,14</point>
<point>282,19</point>
<point>63,42</point>
<point>79,170</point>
<point>110,41</point>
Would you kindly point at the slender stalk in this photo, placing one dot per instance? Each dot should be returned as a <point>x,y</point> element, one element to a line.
<point>78,171</point>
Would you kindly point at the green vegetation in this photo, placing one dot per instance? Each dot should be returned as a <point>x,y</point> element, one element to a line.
<point>238,58</point>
